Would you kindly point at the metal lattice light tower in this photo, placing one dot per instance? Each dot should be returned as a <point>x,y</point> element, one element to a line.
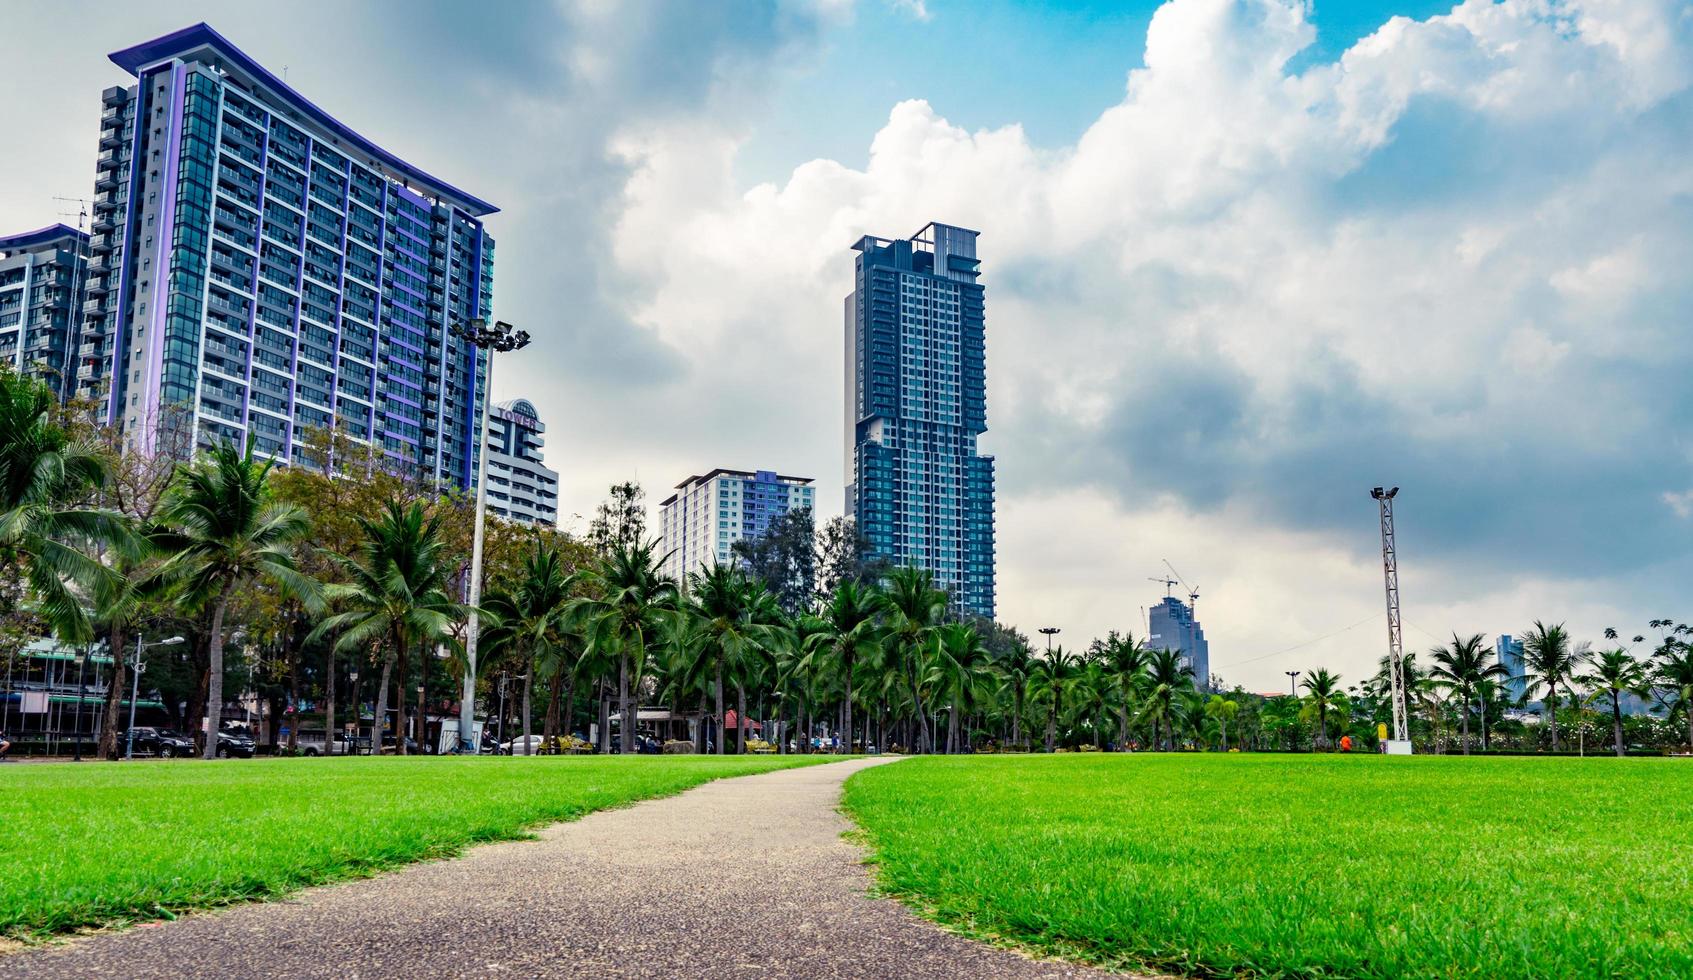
<point>1395,638</point>
<point>499,338</point>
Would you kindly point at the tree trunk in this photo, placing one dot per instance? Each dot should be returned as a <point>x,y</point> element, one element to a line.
<point>1123,720</point>
<point>293,693</point>
<point>402,721</point>
<point>605,717</point>
<point>1052,726</point>
<point>549,725</point>
<point>701,731</point>
<point>528,722</point>
<point>1465,734</point>
<point>214,678</point>
<point>924,744</point>
<point>718,748</point>
<point>115,691</point>
<point>846,668</point>
<point>381,718</point>
<point>626,679</point>
<point>1017,720</point>
<point>329,703</point>
<point>1616,721</point>
<point>740,718</point>
<point>1552,712</point>
<point>420,724</point>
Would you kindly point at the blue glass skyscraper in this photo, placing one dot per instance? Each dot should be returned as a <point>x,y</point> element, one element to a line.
<point>1171,626</point>
<point>257,268</point>
<point>916,401</point>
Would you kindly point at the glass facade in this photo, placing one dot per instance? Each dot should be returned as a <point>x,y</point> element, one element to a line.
<point>1171,626</point>
<point>262,270</point>
<point>916,401</point>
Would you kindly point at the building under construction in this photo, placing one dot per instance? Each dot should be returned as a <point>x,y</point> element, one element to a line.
<point>1172,626</point>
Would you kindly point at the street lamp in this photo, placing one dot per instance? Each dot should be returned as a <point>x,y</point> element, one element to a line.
<point>81,694</point>
<point>1293,681</point>
<point>1049,632</point>
<point>353,741</point>
<point>135,688</point>
<point>501,338</point>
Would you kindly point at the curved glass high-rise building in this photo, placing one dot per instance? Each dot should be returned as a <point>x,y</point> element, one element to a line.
<point>916,401</point>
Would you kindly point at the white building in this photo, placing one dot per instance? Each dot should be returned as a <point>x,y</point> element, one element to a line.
<point>707,514</point>
<point>520,487</point>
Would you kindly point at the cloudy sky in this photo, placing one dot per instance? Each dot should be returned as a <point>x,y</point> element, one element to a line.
<point>1244,260</point>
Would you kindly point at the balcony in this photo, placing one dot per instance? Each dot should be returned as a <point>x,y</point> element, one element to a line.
<point>110,139</point>
<point>103,221</point>
<point>105,180</point>
<point>94,306</point>
<point>114,96</point>
<point>97,287</point>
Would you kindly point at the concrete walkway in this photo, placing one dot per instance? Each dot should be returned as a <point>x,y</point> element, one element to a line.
<point>744,877</point>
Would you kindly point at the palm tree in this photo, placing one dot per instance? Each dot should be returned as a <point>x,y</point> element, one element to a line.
<point>728,638</point>
<point>1672,679</point>
<point>629,599</point>
<point>1018,667</point>
<point>913,608</point>
<point>850,627</point>
<point>1053,674</point>
<point>959,670</point>
<point>527,622</point>
<point>1323,695</point>
<point>1128,658</point>
<point>1221,709</point>
<point>1169,677</point>
<point>43,473</point>
<point>224,529</point>
<point>1549,662</point>
<point>1461,666</point>
<point>1615,673</point>
<point>394,596</point>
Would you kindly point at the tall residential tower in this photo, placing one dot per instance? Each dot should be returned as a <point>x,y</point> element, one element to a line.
<point>259,268</point>
<point>520,487</point>
<point>916,401</point>
<point>41,275</point>
<point>707,514</point>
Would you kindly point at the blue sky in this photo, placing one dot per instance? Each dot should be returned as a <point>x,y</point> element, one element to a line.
<point>1244,259</point>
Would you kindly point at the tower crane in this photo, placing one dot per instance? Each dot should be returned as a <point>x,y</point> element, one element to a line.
<point>1168,583</point>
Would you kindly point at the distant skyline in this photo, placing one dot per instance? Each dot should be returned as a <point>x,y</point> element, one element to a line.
<point>1245,259</point>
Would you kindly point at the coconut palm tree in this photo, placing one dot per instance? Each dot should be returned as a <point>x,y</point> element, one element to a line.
<point>1054,672</point>
<point>1222,710</point>
<point>1461,666</point>
<point>1127,658</point>
<point>912,610</point>
<point>1169,677</point>
<point>849,626</point>
<point>728,638</point>
<point>394,597</point>
<point>44,473</point>
<point>959,671</point>
<point>1672,680</point>
<point>627,602</point>
<point>1549,661</point>
<point>222,530</point>
<point>527,622</point>
<point>1613,674</point>
<point>1017,666</point>
<point>1323,696</point>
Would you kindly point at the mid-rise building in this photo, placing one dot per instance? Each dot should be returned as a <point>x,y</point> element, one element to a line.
<point>41,275</point>
<point>1510,652</point>
<point>258,268</point>
<point>1172,626</point>
<point>916,402</point>
<point>520,487</point>
<point>703,519</point>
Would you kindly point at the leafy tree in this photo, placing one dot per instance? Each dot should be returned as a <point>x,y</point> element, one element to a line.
<point>527,623</point>
<point>1128,659</point>
<point>849,628</point>
<point>913,610</point>
<point>626,602</point>
<point>843,555</point>
<point>1018,666</point>
<point>784,559</point>
<point>1169,677</point>
<point>959,672</point>
<point>1053,674</point>
<point>1672,680</point>
<point>621,520</point>
<point>1550,662</point>
<point>721,601</point>
<point>1222,710</point>
<point>1323,696</point>
<point>224,529</point>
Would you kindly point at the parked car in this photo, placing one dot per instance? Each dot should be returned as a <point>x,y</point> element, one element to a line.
<point>516,746</point>
<point>162,742</point>
<point>234,745</point>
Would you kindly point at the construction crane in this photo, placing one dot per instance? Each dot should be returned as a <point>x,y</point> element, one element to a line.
<point>1192,592</point>
<point>1168,583</point>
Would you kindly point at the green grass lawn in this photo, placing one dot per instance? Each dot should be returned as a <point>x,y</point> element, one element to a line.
<point>86,845</point>
<point>1300,866</point>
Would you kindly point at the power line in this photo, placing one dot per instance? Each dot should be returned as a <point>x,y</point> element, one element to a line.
<point>1297,646</point>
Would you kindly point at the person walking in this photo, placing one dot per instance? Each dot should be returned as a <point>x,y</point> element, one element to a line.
<point>1345,743</point>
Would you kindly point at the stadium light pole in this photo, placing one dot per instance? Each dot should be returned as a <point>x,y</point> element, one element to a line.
<point>500,338</point>
<point>1049,632</point>
<point>1293,681</point>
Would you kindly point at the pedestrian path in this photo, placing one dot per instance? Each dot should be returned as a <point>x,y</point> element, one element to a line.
<point>745,877</point>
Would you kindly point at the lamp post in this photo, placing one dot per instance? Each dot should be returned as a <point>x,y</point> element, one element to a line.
<point>81,693</point>
<point>1049,632</point>
<point>1292,682</point>
<point>501,337</point>
<point>135,689</point>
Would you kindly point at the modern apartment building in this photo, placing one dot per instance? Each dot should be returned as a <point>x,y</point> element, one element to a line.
<point>520,487</point>
<point>41,275</point>
<point>259,268</point>
<point>1510,652</point>
<point>1171,626</point>
<point>707,514</point>
<point>916,401</point>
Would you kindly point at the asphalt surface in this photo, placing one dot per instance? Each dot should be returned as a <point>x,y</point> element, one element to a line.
<point>744,877</point>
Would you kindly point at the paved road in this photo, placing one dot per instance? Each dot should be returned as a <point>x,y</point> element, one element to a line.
<point>744,877</point>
